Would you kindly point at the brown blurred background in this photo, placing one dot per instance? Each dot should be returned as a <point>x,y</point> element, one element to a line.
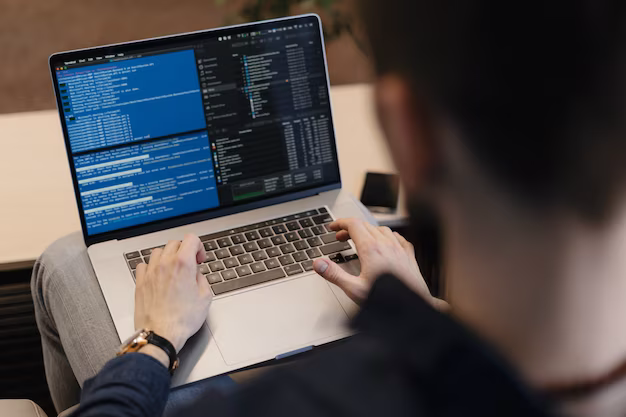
<point>31,30</point>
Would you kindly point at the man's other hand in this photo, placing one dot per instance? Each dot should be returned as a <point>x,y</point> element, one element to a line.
<point>380,251</point>
<point>171,297</point>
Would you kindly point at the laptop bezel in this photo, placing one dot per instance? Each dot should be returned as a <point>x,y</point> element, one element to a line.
<point>195,217</point>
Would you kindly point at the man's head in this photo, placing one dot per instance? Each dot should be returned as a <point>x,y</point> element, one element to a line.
<point>536,92</point>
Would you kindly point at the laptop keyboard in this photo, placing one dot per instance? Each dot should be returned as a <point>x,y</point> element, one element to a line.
<point>265,251</point>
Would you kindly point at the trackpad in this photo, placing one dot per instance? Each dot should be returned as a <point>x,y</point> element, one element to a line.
<point>269,321</point>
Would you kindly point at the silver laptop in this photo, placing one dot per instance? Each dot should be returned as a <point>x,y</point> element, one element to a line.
<point>227,134</point>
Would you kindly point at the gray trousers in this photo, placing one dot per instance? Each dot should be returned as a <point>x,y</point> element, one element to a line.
<point>77,332</point>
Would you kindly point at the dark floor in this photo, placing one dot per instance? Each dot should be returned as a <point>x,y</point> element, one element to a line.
<point>21,369</point>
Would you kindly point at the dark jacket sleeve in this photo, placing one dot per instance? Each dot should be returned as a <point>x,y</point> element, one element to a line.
<point>131,385</point>
<point>406,360</point>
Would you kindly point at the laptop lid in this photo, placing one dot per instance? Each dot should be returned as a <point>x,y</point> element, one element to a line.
<point>169,131</point>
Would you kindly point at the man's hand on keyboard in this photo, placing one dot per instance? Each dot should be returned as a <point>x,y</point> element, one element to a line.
<point>171,297</point>
<point>380,251</point>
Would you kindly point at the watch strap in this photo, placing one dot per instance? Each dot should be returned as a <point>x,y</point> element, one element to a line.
<point>168,348</point>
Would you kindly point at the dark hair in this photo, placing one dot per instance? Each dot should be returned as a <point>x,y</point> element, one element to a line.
<point>537,88</point>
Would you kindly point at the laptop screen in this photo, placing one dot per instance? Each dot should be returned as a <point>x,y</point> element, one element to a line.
<point>163,128</point>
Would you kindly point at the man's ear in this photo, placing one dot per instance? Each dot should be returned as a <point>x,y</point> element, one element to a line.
<point>408,129</point>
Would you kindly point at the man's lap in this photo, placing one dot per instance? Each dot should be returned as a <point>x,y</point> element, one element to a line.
<point>78,334</point>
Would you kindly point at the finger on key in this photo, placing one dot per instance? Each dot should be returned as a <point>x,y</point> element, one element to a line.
<point>171,248</point>
<point>155,258</point>
<point>204,287</point>
<point>141,272</point>
<point>192,248</point>
<point>343,235</point>
<point>356,229</point>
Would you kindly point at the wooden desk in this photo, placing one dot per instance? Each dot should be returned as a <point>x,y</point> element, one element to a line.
<point>37,199</point>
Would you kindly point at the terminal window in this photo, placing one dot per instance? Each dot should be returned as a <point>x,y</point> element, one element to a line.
<point>159,133</point>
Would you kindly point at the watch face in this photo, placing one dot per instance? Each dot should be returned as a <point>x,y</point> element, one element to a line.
<point>134,342</point>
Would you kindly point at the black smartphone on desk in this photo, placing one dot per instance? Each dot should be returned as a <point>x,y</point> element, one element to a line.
<point>380,192</point>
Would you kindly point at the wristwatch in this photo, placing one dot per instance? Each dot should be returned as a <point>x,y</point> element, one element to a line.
<point>143,337</point>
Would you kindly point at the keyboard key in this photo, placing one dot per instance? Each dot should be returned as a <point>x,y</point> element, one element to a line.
<point>204,269</point>
<point>259,278</point>
<point>300,245</point>
<point>210,257</point>
<point>229,274</point>
<point>224,242</point>
<point>245,259</point>
<point>237,239</point>
<point>257,267</point>
<point>306,223</point>
<point>236,250</point>
<point>327,226</point>
<point>278,240</point>
<point>337,258</point>
<point>216,266</point>
<point>322,218</point>
<point>267,232</point>
<point>134,262</point>
<point>254,235</point>
<point>250,246</point>
<point>314,241</point>
<point>214,236</point>
<point>307,265</point>
<point>213,278</point>
<point>278,229</point>
<point>222,253</point>
<point>286,260</point>
<point>272,263</point>
<point>300,256</point>
<point>272,252</point>
<point>329,238</point>
<point>288,248</point>
<point>293,269</point>
<point>293,226</point>
<point>242,271</point>
<point>146,259</point>
<point>309,213</point>
<point>264,243</point>
<point>291,236</point>
<point>259,255</point>
<point>133,255</point>
<point>352,257</point>
<point>305,233</point>
<point>314,253</point>
<point>322,210</point>
<point>146,252</point>
<point>231,263</point>
<point>134,275</point>
<point>258,225</point>
<point>335,247</point>
<point>210,245</point>
<point>318,230</point>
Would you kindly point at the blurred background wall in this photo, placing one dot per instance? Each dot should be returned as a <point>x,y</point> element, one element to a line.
<point>31,30</point>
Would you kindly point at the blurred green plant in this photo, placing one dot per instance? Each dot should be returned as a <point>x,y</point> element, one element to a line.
<point>337,20</point>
